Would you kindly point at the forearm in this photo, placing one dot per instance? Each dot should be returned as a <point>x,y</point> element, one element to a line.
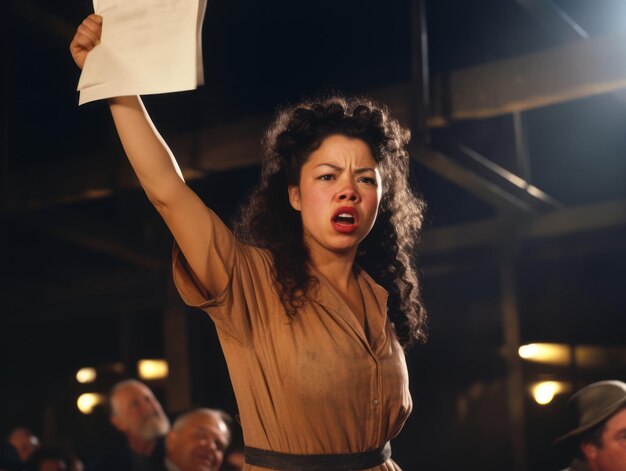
<point>149,155</point>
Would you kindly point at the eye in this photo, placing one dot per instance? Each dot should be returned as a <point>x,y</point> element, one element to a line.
<point>326,177</point>
<point>368,180</point>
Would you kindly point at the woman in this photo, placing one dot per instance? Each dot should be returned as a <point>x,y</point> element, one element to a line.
<point>316,363</point>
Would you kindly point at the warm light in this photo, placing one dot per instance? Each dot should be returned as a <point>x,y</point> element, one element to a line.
<point>86,375</point>
<point>528,351</point>
<point>86,402</point>
<point>544,392</point>
<point>551,353</point>
<point>152,369</point>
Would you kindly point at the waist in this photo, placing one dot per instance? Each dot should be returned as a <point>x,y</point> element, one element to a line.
<point>331,462</point>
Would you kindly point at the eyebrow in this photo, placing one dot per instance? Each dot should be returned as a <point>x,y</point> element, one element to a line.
<point>337,167</point>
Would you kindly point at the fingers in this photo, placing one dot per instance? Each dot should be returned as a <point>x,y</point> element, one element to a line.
<point>86,38</point>
<point>91,28</point>
<point>92,25</point>
<point>88,34</point>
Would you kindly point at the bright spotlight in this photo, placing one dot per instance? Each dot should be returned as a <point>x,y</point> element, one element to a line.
<point>528,351</point>
<point>550,353</point>
<point>152,369</point>
<point>86,402</point>
<point>544,392</point>
<point>86,375</point>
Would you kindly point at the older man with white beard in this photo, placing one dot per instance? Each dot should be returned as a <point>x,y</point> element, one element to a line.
<point>138,415</point>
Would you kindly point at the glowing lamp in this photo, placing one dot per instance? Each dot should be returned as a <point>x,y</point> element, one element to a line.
<point>152,369</point>
<point>86,375</point>
<point>86,402</point>
<point>550,353</point>
<point>544,391</point>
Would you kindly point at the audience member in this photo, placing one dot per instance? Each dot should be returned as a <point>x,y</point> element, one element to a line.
<point>48,459</point>
<point>138,415</point>
<point>18,448</point>
<point>598,438</point>
<point>197,441</point>
<point>24,442</point>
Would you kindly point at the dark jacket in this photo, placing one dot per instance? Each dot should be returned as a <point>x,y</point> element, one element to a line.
<point>120,458</point>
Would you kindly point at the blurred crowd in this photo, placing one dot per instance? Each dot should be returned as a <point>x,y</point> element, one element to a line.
<point>198,440</point>
<point>201,439</point>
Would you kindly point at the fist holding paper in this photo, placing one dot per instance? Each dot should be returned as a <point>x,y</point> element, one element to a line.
<point>146,47</point>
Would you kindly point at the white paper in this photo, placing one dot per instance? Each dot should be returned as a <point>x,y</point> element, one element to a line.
<point>147,47</point>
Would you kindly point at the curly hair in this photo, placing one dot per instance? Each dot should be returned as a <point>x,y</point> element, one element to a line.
<point>268,221</point>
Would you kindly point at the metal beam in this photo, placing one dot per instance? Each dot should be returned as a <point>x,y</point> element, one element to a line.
<point>581,69</point>
<point>576,70</point>
<point>555,224</point>
<point>509,305</point>
<point>420,77</point>
<point>554,19</point>
<point>470,181</point>
<point>510,182</point>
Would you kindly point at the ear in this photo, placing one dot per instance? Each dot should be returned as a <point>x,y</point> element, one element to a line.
<point>589,450</point>
<point>294,197</point>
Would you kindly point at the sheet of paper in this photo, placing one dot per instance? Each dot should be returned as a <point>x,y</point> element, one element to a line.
<point>147,47</point>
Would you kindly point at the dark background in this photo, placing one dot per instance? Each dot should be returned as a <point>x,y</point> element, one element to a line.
<point>86,280</point>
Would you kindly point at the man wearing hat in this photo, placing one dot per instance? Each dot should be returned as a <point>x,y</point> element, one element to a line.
<point>599,433</point>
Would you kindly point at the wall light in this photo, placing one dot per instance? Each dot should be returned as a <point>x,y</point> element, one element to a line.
<point>86,375</point>
<point>86,402</point>
<point>152,369</point>
<point>544,392</point>
<point>550,353</point>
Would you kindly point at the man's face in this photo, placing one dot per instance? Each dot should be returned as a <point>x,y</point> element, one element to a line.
<point>24,443</point>
<point>198,443</point>
<point>138,414</point>
<point>611,456</point>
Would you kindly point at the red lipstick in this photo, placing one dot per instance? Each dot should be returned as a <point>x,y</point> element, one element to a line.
<point>345,220</point>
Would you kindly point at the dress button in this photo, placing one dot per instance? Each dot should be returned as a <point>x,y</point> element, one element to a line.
<point>375,402</point>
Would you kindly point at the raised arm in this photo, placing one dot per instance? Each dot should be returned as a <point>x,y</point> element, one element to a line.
<point>187,217</point>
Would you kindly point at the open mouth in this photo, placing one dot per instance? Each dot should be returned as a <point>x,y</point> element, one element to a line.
<point>345,219</point>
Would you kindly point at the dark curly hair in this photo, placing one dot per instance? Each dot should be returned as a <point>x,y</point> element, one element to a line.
<point>268,221</point>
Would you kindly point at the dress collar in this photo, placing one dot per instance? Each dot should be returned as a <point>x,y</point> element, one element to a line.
<point>374,298</point>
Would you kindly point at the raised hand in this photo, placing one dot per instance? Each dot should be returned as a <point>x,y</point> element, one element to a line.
<point>86,38</point>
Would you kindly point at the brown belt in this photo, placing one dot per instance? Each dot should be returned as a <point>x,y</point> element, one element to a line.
<point>338,462</point>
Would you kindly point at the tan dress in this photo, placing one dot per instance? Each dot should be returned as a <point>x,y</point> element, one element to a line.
<point>312,385</point>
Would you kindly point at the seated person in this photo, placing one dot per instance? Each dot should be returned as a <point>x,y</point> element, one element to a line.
<point>139,417</point>
<point>597,441</point>
<point>197,441</point>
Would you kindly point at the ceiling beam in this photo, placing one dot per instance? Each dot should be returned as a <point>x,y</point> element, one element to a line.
<point>576,70</point>
<point>558,223</point>
<point>470,181</point>
<point>554,19</point>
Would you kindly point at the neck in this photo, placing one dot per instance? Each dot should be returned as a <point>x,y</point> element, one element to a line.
<point>141,447</point>
<point>337,268</point>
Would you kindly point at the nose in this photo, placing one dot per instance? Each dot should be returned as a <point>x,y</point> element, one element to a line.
<point>208,443</point>
<point>348,193</point>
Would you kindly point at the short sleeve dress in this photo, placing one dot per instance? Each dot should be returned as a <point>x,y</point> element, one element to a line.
<point>314,384</point>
